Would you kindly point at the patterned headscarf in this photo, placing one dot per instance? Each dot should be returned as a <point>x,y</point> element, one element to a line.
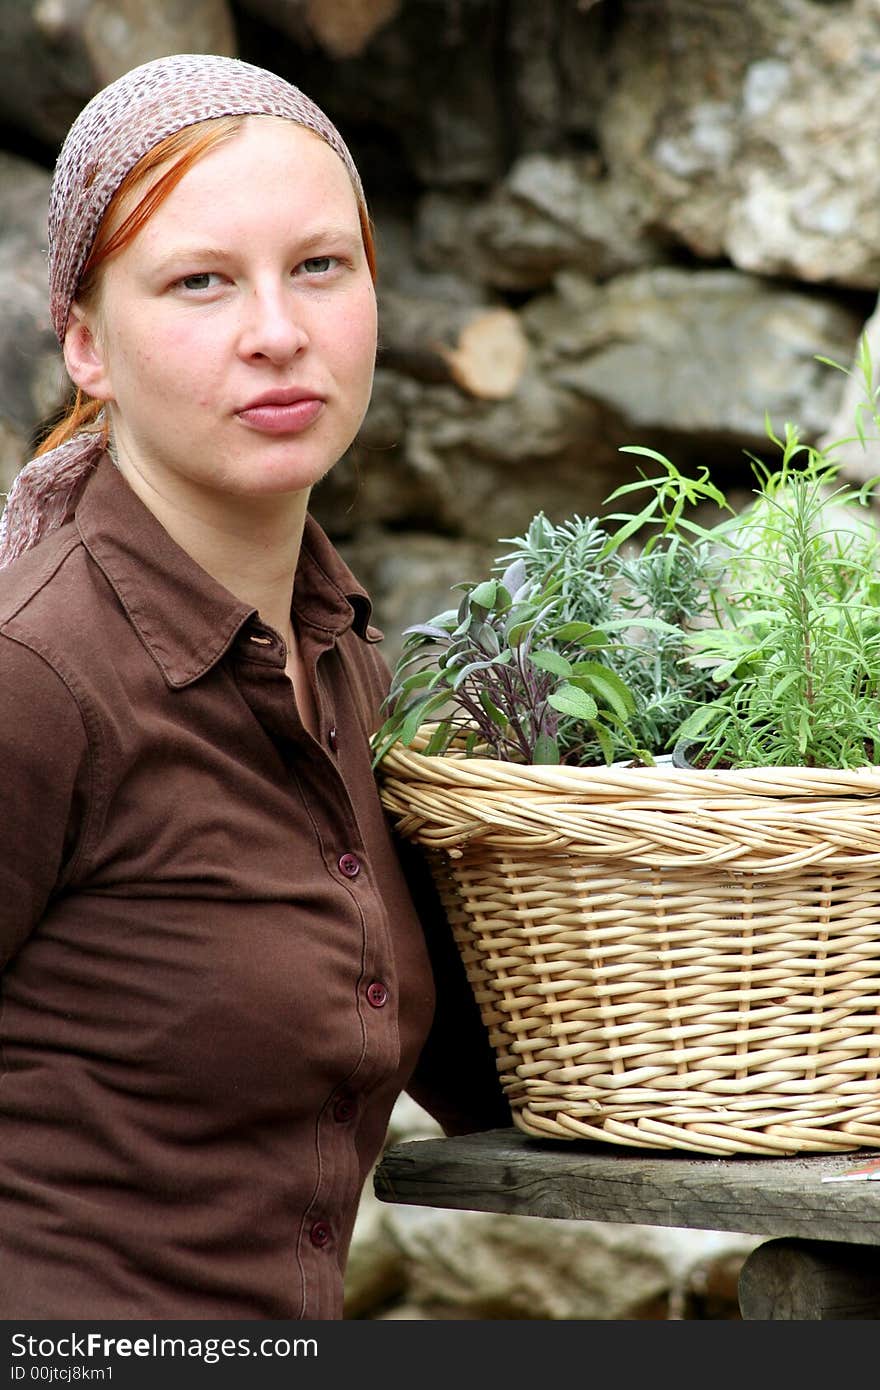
<point>112,132</point>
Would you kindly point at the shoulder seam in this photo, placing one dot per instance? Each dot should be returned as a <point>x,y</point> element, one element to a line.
<point>41,579</point>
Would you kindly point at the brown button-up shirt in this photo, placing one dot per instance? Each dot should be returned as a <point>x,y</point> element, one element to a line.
<point>214,980</point>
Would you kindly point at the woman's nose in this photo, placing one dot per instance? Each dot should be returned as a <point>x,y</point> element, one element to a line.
<point>273,326</point>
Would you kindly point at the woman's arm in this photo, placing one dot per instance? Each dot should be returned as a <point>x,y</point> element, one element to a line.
<point>44,774</point>
<point>455,1079</point>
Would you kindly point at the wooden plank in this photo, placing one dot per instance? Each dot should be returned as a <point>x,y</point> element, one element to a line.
<point>507,1171</point>
<point>810,1279</point>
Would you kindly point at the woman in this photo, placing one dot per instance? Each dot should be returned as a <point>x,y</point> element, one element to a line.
<point>215,983</point>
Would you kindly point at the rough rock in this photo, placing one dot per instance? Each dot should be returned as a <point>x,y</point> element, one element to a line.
<point>342,27</point>
<point>375,1275</point>
<point>665,357</point>
<point>752,130</point>
<point>550,212</point>
<point>695,353</point>
<point>458,136</point>
<point>559,71</point>
<point>481,469</point>
<point>482,348</point>
<point>32,378</point>
<point>55,54</point>
<point>483,1265</point>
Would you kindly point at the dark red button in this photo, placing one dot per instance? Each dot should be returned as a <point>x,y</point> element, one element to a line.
<point>350,865</point>
<point>332,739</point>
<point>377,994</point>
<point>320,1233</point>
<point>344,1109</point>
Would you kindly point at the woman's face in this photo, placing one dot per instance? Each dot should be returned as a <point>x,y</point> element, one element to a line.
<point>235,336</point>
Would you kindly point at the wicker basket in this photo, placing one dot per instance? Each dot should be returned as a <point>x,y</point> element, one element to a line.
<point>665,958</point>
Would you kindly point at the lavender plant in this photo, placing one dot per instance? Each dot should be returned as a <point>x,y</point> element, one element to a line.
<point>569,652</point>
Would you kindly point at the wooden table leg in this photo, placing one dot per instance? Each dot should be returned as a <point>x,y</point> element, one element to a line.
<point>808,1279</point>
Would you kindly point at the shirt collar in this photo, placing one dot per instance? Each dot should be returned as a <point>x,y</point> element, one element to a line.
<point>184,617</point>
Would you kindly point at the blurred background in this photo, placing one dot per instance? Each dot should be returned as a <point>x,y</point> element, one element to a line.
<point>598,223</point>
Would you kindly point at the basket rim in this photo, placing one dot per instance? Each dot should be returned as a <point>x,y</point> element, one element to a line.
<point>455,768</point>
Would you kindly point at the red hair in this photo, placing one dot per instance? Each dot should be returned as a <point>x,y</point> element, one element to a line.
<point>184,147</point>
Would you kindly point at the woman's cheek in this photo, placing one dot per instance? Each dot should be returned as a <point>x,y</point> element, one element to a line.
<point>360,333</point>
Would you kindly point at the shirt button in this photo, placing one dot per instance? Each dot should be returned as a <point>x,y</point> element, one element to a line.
<point>344,1109</point>
<point>332,739</point>
<point>350,865</point>
<point>377,994</point>
<point>320,1233</point>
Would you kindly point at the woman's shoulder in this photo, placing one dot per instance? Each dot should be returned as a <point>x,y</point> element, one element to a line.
<point>39,574</point>
<point>47,608</point>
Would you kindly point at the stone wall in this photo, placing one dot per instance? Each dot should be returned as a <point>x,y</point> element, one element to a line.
<point>638,222</point>
<point>599,222</point>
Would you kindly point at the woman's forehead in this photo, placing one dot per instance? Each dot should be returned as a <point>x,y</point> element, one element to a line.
<point>268,166</point>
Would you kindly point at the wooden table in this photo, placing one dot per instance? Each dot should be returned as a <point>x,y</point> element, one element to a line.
<point>824,1260</point>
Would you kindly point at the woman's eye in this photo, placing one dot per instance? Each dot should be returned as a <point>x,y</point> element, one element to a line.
<point>202,281</point>
<point>318,265</point>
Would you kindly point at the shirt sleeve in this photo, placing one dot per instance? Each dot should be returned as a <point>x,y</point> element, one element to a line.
<point>43,756</point>
<point>456,1079</point>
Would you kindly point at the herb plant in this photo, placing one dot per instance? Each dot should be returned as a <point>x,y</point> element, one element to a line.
<point>502,672</point>
<point>754,642</point>
<point>797,660</point>
<point>572,651</point>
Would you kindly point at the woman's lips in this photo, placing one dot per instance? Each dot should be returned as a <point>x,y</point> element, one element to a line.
<point>278,418</point>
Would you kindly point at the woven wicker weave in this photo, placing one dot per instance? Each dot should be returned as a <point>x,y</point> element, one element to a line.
<point>665,958</point>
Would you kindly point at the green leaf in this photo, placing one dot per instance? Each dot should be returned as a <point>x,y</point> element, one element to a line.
<point>645,453</point>
<point>830,362</point>
<point>584,633</point>
<point>412,723</point>
<point>629,529</point>
<point>518,633</point>
<point>484,594</point>
<point>551,661</point>
<point>782,685</point>
<point>418,715</point>
<point>440,739</point>
<point>699,720</point>
<point>424,677</point>
<point>487,639</point>
<point>463,672</point>
<point>438,629</point>
<point>493,711</point>
<point>382,740</point>
<point>546,750</point>
<point>614,691</point>
<point>605,742</point>
<point>569,699</point>
<point>805,729</point>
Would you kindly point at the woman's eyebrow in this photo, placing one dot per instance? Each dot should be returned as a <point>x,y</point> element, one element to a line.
<point>331,234</point>
<point>336,233</point>
<point>191,254</point>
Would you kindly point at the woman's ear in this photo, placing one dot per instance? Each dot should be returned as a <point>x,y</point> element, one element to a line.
<point>83,356</point>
